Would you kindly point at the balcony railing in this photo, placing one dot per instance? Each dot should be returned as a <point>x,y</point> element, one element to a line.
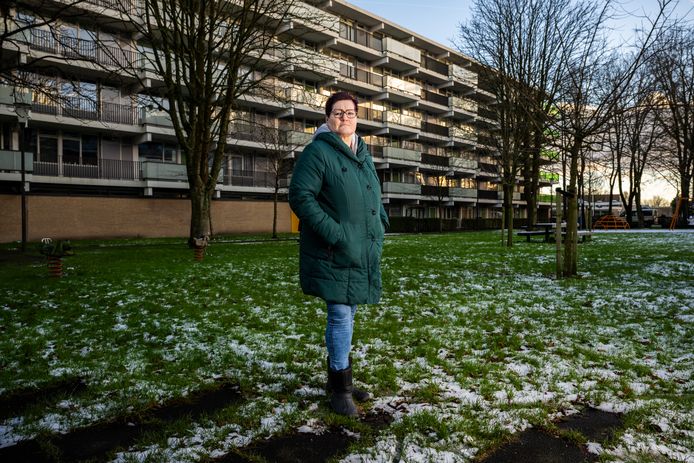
<point>435,97</point>
<point>463,103</point>
<point>12,161</point>
<point>391,152</point>
<point>401,119</point>
<point>487,194</point>
<point>360,36</point>
<point>88,50</point>
<point>434,190</point>
<point>361,75</point>
<point>108,169</point>
<point>248,178</point>
<point>436,129</point>
<point>369,114</point>
<point>434,65</point>
<point>88,109</point>
<point>402,188</point>
<point>435,160</point>
<point>394,83</point>
<point>127,6</point>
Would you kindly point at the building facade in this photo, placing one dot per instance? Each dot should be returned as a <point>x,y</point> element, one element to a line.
<point>424,112</point>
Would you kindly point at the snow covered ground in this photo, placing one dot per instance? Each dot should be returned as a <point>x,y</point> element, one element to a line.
<point>470,343</point>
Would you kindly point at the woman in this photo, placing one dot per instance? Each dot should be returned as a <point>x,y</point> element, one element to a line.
<point>336,195</point>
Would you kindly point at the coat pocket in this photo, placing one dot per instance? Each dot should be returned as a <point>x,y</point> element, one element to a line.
<point>346,254</point>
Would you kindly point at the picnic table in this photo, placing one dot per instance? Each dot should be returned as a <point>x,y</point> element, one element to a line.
<point>547,230</point>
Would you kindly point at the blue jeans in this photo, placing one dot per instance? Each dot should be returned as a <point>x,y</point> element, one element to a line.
<point>338,334</point>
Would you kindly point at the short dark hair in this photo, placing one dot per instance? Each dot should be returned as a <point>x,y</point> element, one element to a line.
<point>339,96</point>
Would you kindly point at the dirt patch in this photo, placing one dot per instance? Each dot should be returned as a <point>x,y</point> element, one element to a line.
<point>304,447</point>
<point>95,443</point>
<point>14,403</point>
<point>595,425</point>
<point>537,446</point>
<point>540,446</point>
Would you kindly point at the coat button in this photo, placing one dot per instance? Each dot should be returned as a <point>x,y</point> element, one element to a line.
<point>368,187</point>
<point>373,211</point>
<point>344,169</point>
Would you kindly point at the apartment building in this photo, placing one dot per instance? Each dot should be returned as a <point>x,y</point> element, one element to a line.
<point>98,157</point>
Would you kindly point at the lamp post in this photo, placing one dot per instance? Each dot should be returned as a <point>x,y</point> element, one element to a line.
<point>22,109</point>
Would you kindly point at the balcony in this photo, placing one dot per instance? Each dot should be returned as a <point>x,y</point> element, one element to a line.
<point>435,191</point>
<point>462,193</point>
<point>85,109</point>
<point>488,195</point>
<point>434,133</point>
<point>460,79</point>
<point>397,188</point>
<point>116,6</point>
<point>463,109</point>
<point>89,50</point>
<point>395,157</point>
<point>359,80</point>
<point>10,96</point>
<point>12,161</point>
<point>463,137</point>
<point>399,124</point>
<point>311,65</point>
<point>106,169</point>
<point>486,118</point>
<point>152,170</point>
<point>466,167</point>
<point>398,56</point>
<point>370,118</point>
<point>433,102</point>
<point>155,117</point>
<point>358,42</point>
<point>293,138</point>
<point>311,23</point>
<point>432,71</point>
<point>248,178</point>
<point>440,162</point>
<point>399,91</point>
<point>304,103</point>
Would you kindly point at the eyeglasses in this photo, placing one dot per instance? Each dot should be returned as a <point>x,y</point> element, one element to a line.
<point>348,114</point>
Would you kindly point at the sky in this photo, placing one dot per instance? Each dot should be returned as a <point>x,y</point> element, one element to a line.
<point>439,20</point>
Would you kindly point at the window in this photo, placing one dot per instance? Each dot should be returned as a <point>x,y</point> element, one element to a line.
<point>48,148</point>
<point>80,149</point>
<point>152,151</point>
<point>242,165</point>
<point>6,137</point>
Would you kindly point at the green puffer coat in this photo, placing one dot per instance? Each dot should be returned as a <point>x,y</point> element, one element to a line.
<point>337,197</point>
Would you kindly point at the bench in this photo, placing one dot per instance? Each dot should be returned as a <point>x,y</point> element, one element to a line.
<point>530,233</point>
<point>549,234</point>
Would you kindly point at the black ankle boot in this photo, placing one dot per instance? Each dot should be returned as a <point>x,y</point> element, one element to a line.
<point>341,395</point>
<point>359,395</point>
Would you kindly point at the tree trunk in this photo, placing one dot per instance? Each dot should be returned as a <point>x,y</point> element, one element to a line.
<point>570,242</point>
<point>274,208</point>
<point>199,215</point>
<point>508,212</point>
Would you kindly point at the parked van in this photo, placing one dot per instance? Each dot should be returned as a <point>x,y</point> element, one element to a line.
<point>650,216</point>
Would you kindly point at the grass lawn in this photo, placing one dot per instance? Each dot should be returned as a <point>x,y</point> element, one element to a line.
<point>470,344</point>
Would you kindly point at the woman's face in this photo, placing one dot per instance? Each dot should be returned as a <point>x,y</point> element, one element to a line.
<point>343,126</point>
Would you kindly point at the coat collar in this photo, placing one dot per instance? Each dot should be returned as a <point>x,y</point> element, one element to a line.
<point>336,142</point>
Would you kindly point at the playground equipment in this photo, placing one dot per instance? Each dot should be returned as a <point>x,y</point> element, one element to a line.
<point>676,214</point>
<point>611,222</point>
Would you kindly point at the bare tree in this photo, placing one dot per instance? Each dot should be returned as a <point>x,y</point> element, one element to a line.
<point>197,61</point>
<point>280,145</point>
<point>673,68</point>
<point>592,88</point>
<point>633,132</point>
<point>520,41</point>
